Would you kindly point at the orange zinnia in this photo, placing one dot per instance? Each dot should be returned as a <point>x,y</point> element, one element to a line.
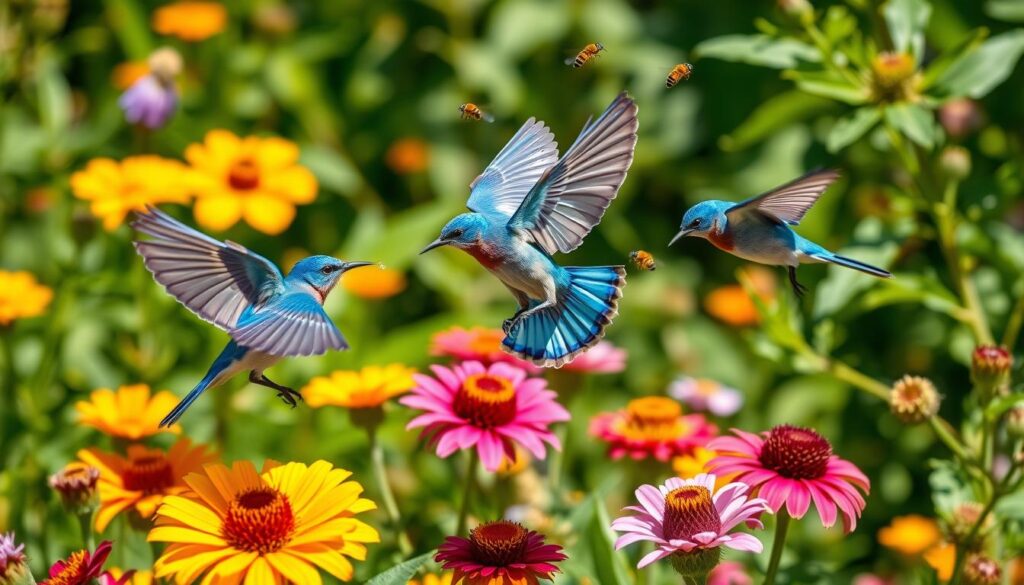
<point>130,413</point>
<point>190,21</point>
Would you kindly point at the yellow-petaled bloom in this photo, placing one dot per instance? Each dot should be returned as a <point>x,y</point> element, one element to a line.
<point>258,179</point>
<point>910,535</point>
<point>137,578</point>
<point>942,558</point>
<point>131,412</point>
<point>367,388</point>
<point>691,464</point>
<point>432,579</point>
<point>21,296</point>
<point>143,479</point>
<point>115,188</point>
<point>190,21</point>
<point>239,525</point>
<point>369,283</point>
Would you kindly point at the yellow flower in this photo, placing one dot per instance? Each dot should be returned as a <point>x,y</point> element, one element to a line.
<point>143,479</point>
<point>126,74</point>
<point>942,558</point>
<point>114,188</point>
<point>277,526</point>
<point>137,578</point>
<point>130,413</point>
<point>258,179</point>
<point>190,21</point>
<point>367,388</point>
<point>21,296</point>
<point>432,579</point>
<point>374,284</point>
<point>910,535</point>
<point>690,464</point>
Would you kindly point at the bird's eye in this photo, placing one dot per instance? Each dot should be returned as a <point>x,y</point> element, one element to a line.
<point>695,224</point>
<point>327,269</point>
<point>455,233</point>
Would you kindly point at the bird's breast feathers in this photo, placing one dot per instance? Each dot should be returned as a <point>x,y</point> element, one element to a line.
<point>722,238</point>
<point>487,253</point>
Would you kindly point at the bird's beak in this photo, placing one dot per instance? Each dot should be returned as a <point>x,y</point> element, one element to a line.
<point>681,234</point>
<point>350,265</point>
<point>435,244</point>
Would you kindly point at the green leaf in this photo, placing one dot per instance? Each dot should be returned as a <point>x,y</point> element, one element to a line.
<point>608,562</point>
<point>1000,405</point>
<point>914,122</point>
<point>907,20</point>
<point>943,62</point>
<point>847,130</point>
<point>1008,10</point>
<point>773,115</point>
<point>400,574</point>
<point>759,50</point>
<point>830,85</point>
<point>980,71</point>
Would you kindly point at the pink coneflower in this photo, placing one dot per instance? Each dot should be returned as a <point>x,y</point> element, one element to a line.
<point>653,426</point>
<point>478,344</point>
<point>707,395</point>
<point>490,408</point>
<point>499,553</point>
<point>603,358</point>
<point>688,521</point>
<point>794,466</point>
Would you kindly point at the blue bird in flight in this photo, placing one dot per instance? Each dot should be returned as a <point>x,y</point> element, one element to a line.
<point>268,315</point>
<point>758,229</point>
<point>527,205</point>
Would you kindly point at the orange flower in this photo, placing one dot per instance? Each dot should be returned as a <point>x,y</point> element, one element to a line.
<point>21,296</point>
<point>126,74</point>
<point>370,387</point>
<point>374,284</point>
<point>432,579</point>
<point>190,21</point>
<point>910,535</point>
<point>130,413</point>
<point>137,578</point>
<point>408,155</point>
<point>143,479</point>
<point>942,557</point>
<point>114,188</point>
<point>733,306</point>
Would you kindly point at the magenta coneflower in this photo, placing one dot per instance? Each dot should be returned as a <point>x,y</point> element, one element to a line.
<point>794,466</point>
<point>499,553</point>
<point>490,408</point>
<point>688,521</point>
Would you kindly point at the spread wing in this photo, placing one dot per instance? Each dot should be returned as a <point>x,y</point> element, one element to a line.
<point>572,197</point>
<point>290,325</point>
<point>216,280</point>
<point>505,182</point>
<point>791,201</point>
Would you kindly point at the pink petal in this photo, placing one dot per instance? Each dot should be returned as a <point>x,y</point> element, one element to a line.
<point>652,501</point>
<point>628,539</point>
<point>490,450</point>
<point>775,492</point>
<point>744,542</point>
<point>826,508</point>
<point>799,500</point>
<point>652,556</point>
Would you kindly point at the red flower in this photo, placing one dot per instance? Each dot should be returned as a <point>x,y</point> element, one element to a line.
<point>80,568</point>
<point>500,553</point>
<point>653,426</point>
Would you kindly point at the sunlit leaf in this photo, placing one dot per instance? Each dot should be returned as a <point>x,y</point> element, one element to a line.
<point>774,114</point>
<point>1008,10</point>
<point>758,50</point>
<point>400,574</point>
<point>849,129</point>
<point>980,71</point>
<point>907,20</point>
<point>830,85</point>
<point>609,564</point>
<point>938,67</point>
<point>914,122</point>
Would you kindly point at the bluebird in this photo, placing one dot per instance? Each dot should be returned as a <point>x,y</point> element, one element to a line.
<point>527,205</point>
<point>758,229</point>
<point>269,316</point>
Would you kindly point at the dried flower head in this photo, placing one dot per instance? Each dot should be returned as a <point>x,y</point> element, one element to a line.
<point>913,399</point>
<point>982,570</point>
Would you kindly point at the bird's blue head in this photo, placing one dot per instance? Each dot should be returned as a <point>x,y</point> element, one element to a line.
<point>463,231</point>
<point>321,272</point>
<point>700,219</point>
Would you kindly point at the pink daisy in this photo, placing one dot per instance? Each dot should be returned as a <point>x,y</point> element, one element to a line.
<point>794,466</point>
<point>688,521</point>
<point>603,358</point>
<point>652,426</point>
<point>707,395</point>
<point>499,553</point>
<point>477,344</point>
<point>490,408</point>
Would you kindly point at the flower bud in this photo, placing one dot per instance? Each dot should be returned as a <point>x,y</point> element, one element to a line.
<point>76,484</point>
<point>990,370</point>
<point>697,563</point>
<point>165,64</point>
<point>965,516</point>
<point>13,570</point>
<point>892,76</point>
<point>982,570</point>
<point>955,162</point>
<point>796,8</point>
<point>1015,421</point>
<point>960,117</point>
<point>913,399</point>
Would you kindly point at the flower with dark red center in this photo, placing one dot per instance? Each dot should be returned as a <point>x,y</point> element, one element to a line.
<point>652,426</point>
<point>76,484</point>
<point>689,521</point>
<point>990,369</point>
<point>499,553</point>
<point>80,568</point>
<point>794,466</point>
<point>259,520</point>
<point>490,408</point>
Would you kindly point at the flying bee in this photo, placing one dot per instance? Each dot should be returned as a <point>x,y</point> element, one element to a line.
<point>473,111</point>
<point>680,71</point>
<point>585,55</point>
<point>643,259</point>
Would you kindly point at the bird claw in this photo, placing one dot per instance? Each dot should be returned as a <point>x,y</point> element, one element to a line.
<point>289,396</point>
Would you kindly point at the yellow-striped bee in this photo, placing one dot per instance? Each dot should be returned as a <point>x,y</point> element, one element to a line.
<point>643,259</point>
<point>585,55</point>
<point>681,71</point>
<point>473,111</point>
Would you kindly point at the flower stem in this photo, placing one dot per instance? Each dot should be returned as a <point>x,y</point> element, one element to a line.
<point>387,495</point>
<point>781,529</point>
<point>961,553</point>
<point>467,493</point>
<point>1013,324</point>
<point>85,527</point>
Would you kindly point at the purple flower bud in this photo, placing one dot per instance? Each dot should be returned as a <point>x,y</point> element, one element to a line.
<point>149,102</point>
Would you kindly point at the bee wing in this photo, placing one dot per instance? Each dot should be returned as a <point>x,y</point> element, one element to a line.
<point>486,117</point>
<point>570,60</point>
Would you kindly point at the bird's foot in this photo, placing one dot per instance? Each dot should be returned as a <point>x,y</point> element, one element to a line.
<point>290,397</point>
<point>798,288</point>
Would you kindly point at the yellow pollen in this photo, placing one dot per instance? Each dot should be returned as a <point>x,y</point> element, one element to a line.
<point>488,389</point>
<point>688,498</point>
<point>259,520</point>
<point>73,573</point>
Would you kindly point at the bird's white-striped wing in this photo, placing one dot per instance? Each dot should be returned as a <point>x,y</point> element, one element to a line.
<point>291,325</point>
<point>216,280</point>
<point>570,200</point>
<point>505,182</point>
<point>790,202</point>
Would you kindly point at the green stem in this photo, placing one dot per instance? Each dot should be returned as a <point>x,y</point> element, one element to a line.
<point>1013,324</point>
<point>961,551</point>
<point>781,529</point>
<point>467,493</point>
<point>380,474</point>
<point>857,379</point>
<point>8,388</point>
<point>85,527</point>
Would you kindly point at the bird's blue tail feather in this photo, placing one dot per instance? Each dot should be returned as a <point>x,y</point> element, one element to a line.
<point>555,335</point>
<point>186,402</point>
<point>858,265</point>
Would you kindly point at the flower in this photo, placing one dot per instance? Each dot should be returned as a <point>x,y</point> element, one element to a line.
<point>367,388</point>
<point>1015,421</point>
<point>490,408</point>
<point>12,560</point>
<point>406,156</point>
<point>21,296</point>
<point>910,535</point>
<point>500,553</point>
<point>729,573</point>
<point>955,162</point>
<point>126,74</point>
<point>190,21</point>
<point>76,484</point>
<point>80,568</point>
<point>653,426</point>
<point>258,179</point>
<point>982,570</point>
<point>603,358</point>
<point>689,521</point>
<point>115,188</point>
<point>432,579</point>
<point>893,77</point>
<point>144,478</point>
<point>152,99</point>
<point>705,394</point>
<point>478,344</point>
<point>959,117</point>
<point>732,305</point>
<point>695,462</point>
<point>962,521</point>
<point>990,369</point>
<point>794,466</point>
<point>942,558</point>
<point>374,284</point>
<point>280,525</point>
<point>131,412</point>
<point>913,399</point>
<point>118,577</point>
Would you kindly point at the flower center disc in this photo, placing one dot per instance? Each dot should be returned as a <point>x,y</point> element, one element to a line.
<point>244,175</point>
<point>796,453</point>
<point>689,510</point>
<point>148,474</point>
<point>73,571</point>
<point>498,544</point>
<point>486,401</point>
<point>259,520</point>
<point>653,418</point>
